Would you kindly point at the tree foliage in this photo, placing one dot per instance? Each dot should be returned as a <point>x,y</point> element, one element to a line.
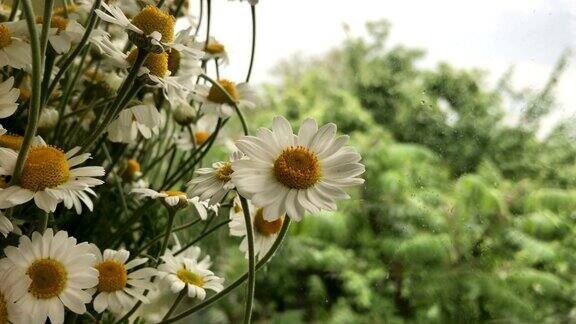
<point>464,217</point>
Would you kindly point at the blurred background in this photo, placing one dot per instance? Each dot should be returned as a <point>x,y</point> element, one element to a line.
<point>464,113</point>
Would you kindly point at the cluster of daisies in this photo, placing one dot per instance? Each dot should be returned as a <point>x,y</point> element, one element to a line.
<point>128,111</point>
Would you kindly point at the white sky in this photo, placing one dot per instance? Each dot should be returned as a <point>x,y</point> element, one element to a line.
<point>488,34</point>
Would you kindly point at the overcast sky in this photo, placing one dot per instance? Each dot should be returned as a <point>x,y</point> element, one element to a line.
<point>488,34</point>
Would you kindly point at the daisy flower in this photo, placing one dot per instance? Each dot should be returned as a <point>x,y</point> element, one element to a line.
<point>63,32</point>
<point>215,182</point>
<point>10,312</point>
<point>265,232</point>
<point>8,98</point>
<point>173,199</point>
<point>290,174</point>
<point>50,177</point>
<point>6,225</point>
<point>51,272</point>
<point>185,272</point>
<point>14,51</point>
<point>214,50</point>
<point>143,119</point>
<point>192,137</point>
<point>120,286</point>
<point>216,101</point>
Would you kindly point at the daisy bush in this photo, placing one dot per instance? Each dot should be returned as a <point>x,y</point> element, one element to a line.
<point>112,122</point>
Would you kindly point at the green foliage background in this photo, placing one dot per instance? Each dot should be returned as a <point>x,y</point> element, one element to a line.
<point>464,218</point>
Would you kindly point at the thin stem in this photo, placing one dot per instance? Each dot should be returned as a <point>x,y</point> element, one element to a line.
<point>231,101</point>
<point>70,59</point>
<point>238,281</point>
<point>200,16</point>
<point>15,5</point>
<point>179,7</point>
<point>181,295</point>
<point>253,11</point>
<point>251,262</point>
<point>202,236</point>
<point>160,3</point>
<point>43,222</point>
<point>158,237</point>
<point>116,106</point>
<point>171,216</point>
<point>47,18</point>
<point>117,181</point>
<point>208,21</point>
<point>34,110</point>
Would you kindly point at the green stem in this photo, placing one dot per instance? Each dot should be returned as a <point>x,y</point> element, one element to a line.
<point>15,5</point>
<point>176,303</point>
<point>253,12</point>
<point>202,236</point>
<point>159,237</point>
<point>160,3</point>
<point>237,282</point>
<point>47,18</point>
<point>116,106</point>
<point>208,21</point>
<point>171,216</point>
<point>251,262</point>
<point>43,222</point>
<point>34,110</point>
<point>70,59</point>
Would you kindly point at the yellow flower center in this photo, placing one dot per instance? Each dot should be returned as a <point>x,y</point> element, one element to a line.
<point>152,19</point>
<point>5,36</point>
<point>218,96</point>
<point>182,202</point>
<point>297,168</point>
<point>112,276</point>
<point>156,63</point>
<point>190,277</point>
<point>215,48</point>
<point>56,22</point>
<point>265,227</point>
<point>45,167</point>
<point>174,61</point>
<point>3,310</point>
<point>132,169</point>
<point>224,172</point>
<point>48,278</point>
<point>237,208</point>
<point>24,94</point>
<point>201,137</point>
<point>61,11</point>
<point>173,193</point>
<point>11,141</point>
<point>3,185</point>
<point>93,75</point>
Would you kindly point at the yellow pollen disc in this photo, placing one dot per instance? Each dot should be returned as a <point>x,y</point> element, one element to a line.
<point>48,278</point>
<point>61,12</point>
<point>3,185</point>
<point>112,276</point>
<point>173,193</point>
<point>216,95</point>
<point>56,22</point>
<point>5,36</point>
<point>156,63</point>
<point>45,167</point>
<point>224,172</point>
<point>190,278</point>
<point>237,208</point>
<point>24,94</point>
<point>265,227</point>
<point>11,141</point>
<point>93,75</point>
<point>3,310</point>
<point>201,137</point>
<point>152,19</point>
<point>174,61</point>
<point>215,48</point>
<point>297,168</point>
